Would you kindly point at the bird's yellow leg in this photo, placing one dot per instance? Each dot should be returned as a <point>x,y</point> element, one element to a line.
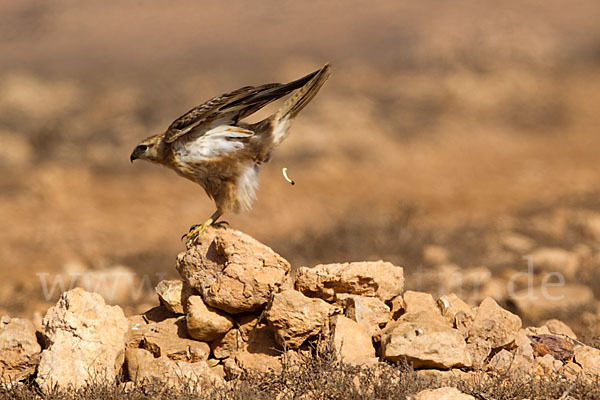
<point>198,229</point>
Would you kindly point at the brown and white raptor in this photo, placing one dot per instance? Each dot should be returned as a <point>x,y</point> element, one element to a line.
<point>212,146</point>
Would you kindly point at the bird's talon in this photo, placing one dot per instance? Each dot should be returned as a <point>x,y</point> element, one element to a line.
<point>194,232</point>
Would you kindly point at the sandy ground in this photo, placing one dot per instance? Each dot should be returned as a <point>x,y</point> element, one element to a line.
<point>455,115</point>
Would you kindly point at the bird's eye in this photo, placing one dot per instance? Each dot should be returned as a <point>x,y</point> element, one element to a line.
<point>142,147</point>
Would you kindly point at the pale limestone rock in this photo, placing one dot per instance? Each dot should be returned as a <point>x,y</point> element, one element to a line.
<point>233,272</point>
<point>166,338</point>
<point>86,340</point>
<point>295,317</point>
<point>450,305</point>
<point>238,338</point>
<point>589,359</point>
<point>352,342</point>
<point>155,314</point>
<point>19,349</point>
<point>398,307</point>
<point>426,343</point>
<point>142,367</point>
<point>507,363</point>
<point>370,312</point>
<point>205,323</point>
<point>174,294</point>
<point>370,279</point>
<point>250,348</point>
<point>572,371</point>
<point>546,365</point>
<point>444,393</point>
<point>258,362</point>
<point>463,322</point>
<point>420,301</point>
<point>248,332</point>
<point>36,320</point>
<point>524,346</point>
<point>479,350</point>
<point>421,306</point>
<point>228,345</point>
<point>160,350</point>
<point>537,330</point>
<point>232,370</point>
<point>217,370</point>
<point>421,316</point>
<point>213,362</point>
<point>259,351</point>
<point>494,324</point>
<point>501,362</point>
<point>558,327</point>
<point>522,337</point>
<point>248,322</point>
<point>540,302</point>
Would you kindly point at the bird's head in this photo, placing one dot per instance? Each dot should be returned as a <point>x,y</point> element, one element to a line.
<point>148,149</point>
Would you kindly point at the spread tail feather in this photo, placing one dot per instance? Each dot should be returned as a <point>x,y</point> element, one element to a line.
<point>265,94</point>
<point>304,95</point>
<point>282,118</point>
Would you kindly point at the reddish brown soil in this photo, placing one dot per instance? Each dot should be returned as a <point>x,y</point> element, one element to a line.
<point>461,113</point>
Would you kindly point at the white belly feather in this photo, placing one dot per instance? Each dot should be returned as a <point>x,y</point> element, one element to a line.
<point>247,183</point>
<point>212,145</point>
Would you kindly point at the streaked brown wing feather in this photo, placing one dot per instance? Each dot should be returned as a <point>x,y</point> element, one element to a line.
<point>201,114</point>
<point>213,109</point>
<point>229,108</point>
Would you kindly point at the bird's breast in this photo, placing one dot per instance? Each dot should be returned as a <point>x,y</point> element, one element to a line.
<point>221,141</point>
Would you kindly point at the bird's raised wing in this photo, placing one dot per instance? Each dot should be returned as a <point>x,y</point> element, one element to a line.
<point>229,108</point>
<point>203,116</point>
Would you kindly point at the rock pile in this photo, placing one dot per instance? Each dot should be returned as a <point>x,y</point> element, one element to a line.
<point>538,282</point>
<point>237,310</point>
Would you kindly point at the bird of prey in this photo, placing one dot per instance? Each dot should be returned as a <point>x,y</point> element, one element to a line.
<point>212,146</point>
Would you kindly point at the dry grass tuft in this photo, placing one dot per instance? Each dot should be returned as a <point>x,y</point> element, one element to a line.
<point>324,378</point>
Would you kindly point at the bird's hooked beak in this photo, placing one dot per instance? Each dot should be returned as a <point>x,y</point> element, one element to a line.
<point>137,152</point>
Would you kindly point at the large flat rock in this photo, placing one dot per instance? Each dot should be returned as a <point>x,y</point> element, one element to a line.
<point>372,279</point>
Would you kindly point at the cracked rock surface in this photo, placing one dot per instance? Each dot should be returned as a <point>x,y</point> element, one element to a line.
<point>86,340</point>
<point>233,271</point>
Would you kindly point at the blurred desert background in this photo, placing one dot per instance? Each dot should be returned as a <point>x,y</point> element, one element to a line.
<point>453,138</point>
